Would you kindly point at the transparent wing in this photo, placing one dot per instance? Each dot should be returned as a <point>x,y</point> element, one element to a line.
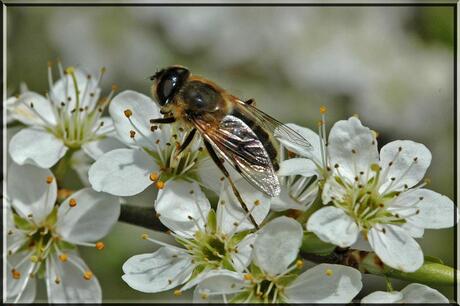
<point>239,145</point>
<point>273,126</point>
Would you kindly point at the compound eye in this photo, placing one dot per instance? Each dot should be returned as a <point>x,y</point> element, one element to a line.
<point>167,87</point>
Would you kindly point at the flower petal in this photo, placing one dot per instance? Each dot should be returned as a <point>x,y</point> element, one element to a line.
<point>332,189</point>
<point>408,165</point>
<point>36,147</point>
<point>333,225</point>
<point>277,245</point>
<point>325,283</point>
<point>29,192</point>
<point>212,284</point>
<point>21,110</point>
<point>209,175</point>
<point>64,90</point>
<point>178,202</point>
<point>418,293</point>
<point>159,271</point>
<point>395,247</point>
<point>353,147</point>
<point>314,152</point>
<point>97,148</point>
<point>285,201</point>
<point>22,290</point>
<point>92,217</point>
<point>104,126</point>
<point>122,172</point>
<point>142,110</point>
<point>71,286</point>
<point>380,297</point>
<point>297,166</point>
<point>230,214</point>
<point>425,208</point>
<point>243,257</point>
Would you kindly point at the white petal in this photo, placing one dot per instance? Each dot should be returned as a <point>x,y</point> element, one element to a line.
<point>418,293</point>
<point>346,137</point>
<point>178,202</point>
<point>14,238</point>
<point>332,189</point>
<point>25,286</point>
<point>285,201</point>
<point>413,230</point>
<point>431,209</point>
<point>314,152</point>
<point>209,175</point>
<point>21,110</point>
<point>37,147</point>
<point>395,247</point>
<point>64,90</point>
<point>404,169</point>
<point>297,166</point>
<point>380,297</point>
<point>104,126</point>
<point>122,172</point>
<point>243,257</point>
<point>81,162</point>
<point>143,109</point>
<point>72,288</point>
<point>159,271</point>
<point>325,283</point>
<point>333,225</point>
<point>92,217</point>
<point>277,244</point>
<point>231,214</point>
<point>29,192</point>
<point>214,282</point>
<point>97,148</point>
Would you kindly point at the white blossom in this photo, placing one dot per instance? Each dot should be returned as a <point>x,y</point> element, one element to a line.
<point>412,293</point>
<point>275,274</point>
<point>41,237</point>
<point>208,239</point>
<point>68,119</point>
<point>378,195</point>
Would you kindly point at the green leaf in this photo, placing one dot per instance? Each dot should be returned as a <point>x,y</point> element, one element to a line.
<point>433,259</point>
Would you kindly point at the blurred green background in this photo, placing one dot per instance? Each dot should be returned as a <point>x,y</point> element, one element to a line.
<point>393,66</point>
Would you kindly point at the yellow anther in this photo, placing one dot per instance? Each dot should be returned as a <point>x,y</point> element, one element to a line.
<point>16,274</point>
<point>88,275</point>
<point>154,176</point>
<point>49,179</point>
<point>320,123</point>
<point>427,181</point>
<point>128,113</point>
<point>144,236</point>
<point>322,109</point>
<point>248,277</point>
<point>132,133</point>
<point>329,272</point>
<point>63,257</point>
<point>160,184</point>
<point>34,258</point>
<point>72,202</point>
<point>177,292</point>
<point>57,280</point>
<point>204,295</point>
<point>375,167</point>
<point>257,202</point>
<point>114,87</point>
<point>299,264</point>
<point>70,70</point>
<point>100,245</point>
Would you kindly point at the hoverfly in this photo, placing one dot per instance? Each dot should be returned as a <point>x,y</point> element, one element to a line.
<point>234,129</point>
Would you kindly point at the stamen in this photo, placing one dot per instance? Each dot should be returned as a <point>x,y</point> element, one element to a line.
<point>154,176</point>
<point>72,202</point>
<point>63,257</point>
<point>88,275</point>
<point>49,179</point>
<point>100,245</point>
<point>329,272</point>
<point>160,184</point>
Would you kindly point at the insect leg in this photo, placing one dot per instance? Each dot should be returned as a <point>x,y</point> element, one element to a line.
<point>163,120</point>
<point>187,141</point>
<point>221,166</point>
